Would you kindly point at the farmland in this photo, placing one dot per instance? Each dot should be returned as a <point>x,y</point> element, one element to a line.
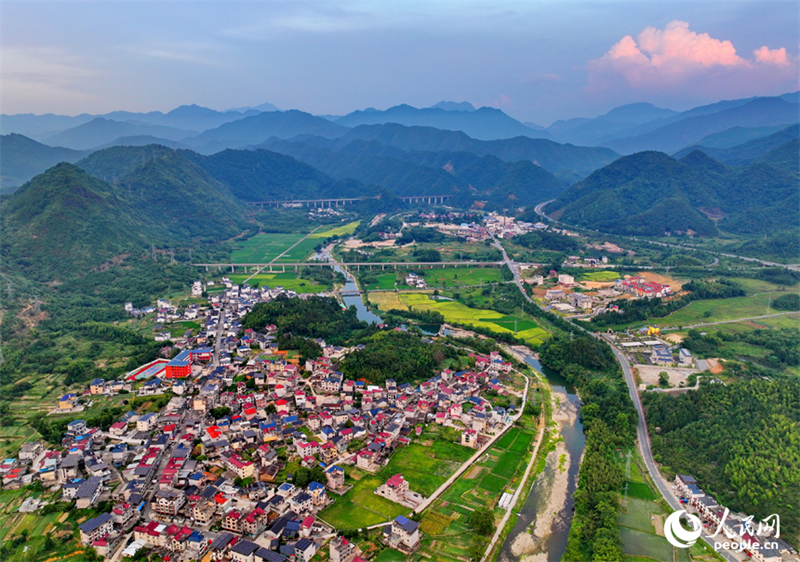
<point>344,230</point>
<point>599,276</point>
<point>450,277</point>
<point>445,525</point>
<point>288,280</point>
<point>425,464</point>
<point>263,248</point>
<point>456,312</point>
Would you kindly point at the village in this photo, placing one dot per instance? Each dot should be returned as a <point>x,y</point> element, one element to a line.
<point>207,474</point>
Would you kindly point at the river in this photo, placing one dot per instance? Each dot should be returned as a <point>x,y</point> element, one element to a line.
<point>541,531</point>
<point>362,312</point>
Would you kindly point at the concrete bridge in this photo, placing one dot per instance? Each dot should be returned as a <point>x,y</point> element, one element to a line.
<point>272,267</point>
<point>341,201</point>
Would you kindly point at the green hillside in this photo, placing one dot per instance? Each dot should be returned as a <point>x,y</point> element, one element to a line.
<point>650,193</point>
<point>115,163</point>
<point>182,201</point>
<point>64,221</point>
<point>262,175</point>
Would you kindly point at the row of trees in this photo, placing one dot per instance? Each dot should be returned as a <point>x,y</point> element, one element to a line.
<point>609,422</point>
<point>741,441</point>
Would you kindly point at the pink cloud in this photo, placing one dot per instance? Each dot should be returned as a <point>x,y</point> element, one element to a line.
<point>676,56</point>
<point>502,102</point>
<point>771,56</point>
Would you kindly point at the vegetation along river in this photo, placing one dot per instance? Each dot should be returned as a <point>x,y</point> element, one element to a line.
<point>541,531</point>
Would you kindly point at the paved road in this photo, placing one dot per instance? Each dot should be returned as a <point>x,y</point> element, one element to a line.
<point>218,339</point>
<point>644,446</point>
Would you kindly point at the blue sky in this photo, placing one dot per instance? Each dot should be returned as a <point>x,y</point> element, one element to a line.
<point>538,61</point>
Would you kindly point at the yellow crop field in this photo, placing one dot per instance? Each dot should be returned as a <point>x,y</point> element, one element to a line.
<point>344,230</point>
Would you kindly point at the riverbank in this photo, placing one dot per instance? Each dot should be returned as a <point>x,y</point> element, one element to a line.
<point>544,516</point>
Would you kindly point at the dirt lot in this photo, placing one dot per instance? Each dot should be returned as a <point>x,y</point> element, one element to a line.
<point>663,279</point>
<point>649,374</point>
<point>354,244</point>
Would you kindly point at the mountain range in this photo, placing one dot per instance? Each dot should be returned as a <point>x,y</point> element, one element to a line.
<point>650,193</point>
<point>485,123</point>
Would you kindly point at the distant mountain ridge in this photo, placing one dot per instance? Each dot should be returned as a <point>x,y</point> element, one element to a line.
<point>485,123</point>
<point>21,158</point>
<point>100,131</point>
<point>759,112</point>
<point>746,152</point>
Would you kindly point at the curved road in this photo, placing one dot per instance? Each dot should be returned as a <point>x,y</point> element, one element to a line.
<point>647,454</point>
<point>641,428</point>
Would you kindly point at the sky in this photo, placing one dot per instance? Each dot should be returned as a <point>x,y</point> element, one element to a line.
<point>537,61</point>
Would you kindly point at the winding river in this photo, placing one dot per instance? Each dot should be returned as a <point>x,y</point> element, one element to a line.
<point>541,531</point>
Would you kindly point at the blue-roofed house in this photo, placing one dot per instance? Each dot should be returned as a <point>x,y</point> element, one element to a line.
<point>402,534</point>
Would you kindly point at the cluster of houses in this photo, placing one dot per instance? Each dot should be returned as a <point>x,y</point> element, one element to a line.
<point>641,287</point>
<point>416,281</point>
<point>207,472</point>
<point>761,542</point>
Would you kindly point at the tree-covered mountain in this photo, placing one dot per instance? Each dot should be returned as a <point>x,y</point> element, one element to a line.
<point>485,123</point>
<point>64,220</point>
<point>466,175</point>
<point>258,128</point>
<point>649,193</point>
<point>262,175</point>
<point>745,152</point>
<point>551,156</point>
<point>182,200</point>
<point>114,163</point>
<point>22,158</point>
<point>759,112</point>
<point>100,131</point>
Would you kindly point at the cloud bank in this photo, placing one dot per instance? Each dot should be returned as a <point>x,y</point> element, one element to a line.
<point>676,57</point>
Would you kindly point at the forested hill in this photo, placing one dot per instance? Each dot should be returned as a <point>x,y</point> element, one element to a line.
<point>262,175</point>
<point>64,221</point>
<point>650,193</point>
<point>741,441</point>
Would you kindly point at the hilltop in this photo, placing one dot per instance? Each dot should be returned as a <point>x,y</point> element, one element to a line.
<point>649,193</point>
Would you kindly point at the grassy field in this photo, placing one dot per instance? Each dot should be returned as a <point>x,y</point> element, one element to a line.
<point>458,277</point>
<point>599,276</point>
<point>383,281</point>
<point>344,230</point>
<point>456,312</point>
<point>263,248</point>
<point>426,463</point>
<point>288,280</point>
<point>717,310</point>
